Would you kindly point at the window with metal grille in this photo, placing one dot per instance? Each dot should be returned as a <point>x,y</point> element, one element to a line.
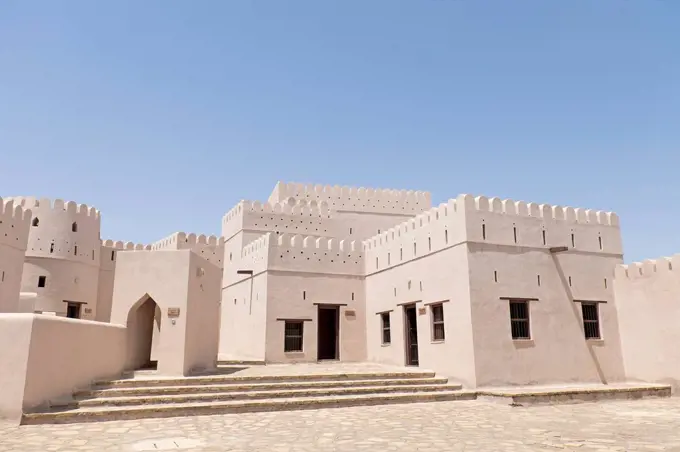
<point>519,319</point>
<point>437,322</point>
<point>591,320</point>
<point>385,325</point>
<point>292,341</point>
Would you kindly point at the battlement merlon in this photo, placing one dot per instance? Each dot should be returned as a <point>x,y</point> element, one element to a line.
<point>14,224</point>
<point>492,220</point>
<point>35,204</point>
<point>182,240</point>
<point>358,199</point>
<point>125,246</point>
<point>647,268</point>
<point>234,220</point>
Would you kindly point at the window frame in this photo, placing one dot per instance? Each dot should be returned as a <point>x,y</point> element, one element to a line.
<point>385,329</point>
<point>434,323</point>
<point>520,320</point>
<point>595,322</point>
<point>287,336</point>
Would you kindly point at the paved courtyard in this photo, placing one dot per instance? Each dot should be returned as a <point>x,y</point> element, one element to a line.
<point>647,425</point>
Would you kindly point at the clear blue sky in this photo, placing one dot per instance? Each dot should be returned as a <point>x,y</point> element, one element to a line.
<point>163,114</point>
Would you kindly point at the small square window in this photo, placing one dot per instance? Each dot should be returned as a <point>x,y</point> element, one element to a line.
<point>519,319</point>
<point>42,280</point>
<point>385,327</point>
<point>437,322</point>
<point>293,336</point>
<point>591,320</point>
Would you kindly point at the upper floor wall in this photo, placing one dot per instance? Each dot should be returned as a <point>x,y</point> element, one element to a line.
<point>494,221</point>
<point>210,248</point>
<point>355,199</point>
<point>62,230</point>
<point>14,224</point>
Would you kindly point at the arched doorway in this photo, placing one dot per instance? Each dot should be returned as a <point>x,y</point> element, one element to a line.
<point>143,326</point>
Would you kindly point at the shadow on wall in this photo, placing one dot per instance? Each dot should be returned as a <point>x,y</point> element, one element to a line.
<point>143,328</point>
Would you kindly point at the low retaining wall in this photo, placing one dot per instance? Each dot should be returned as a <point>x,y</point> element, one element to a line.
<point>46,357</point>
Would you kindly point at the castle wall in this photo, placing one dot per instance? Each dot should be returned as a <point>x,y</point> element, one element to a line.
<point>355,199</point>
<point>508,258</point>
<point>422,261</point>
<point>63,246</point>
<point>14,226</point>
<point>243,313</point>
<point>210,248</point>
<point>648,301</point>
<point>293,294</point>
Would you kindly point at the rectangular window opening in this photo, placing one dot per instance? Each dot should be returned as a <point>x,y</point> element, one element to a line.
<point>495,276</point>
<point>600,240</point>
<point>514,230</point>
<point>385,327</point>
<point>42,280</point>
<point>519,319</point>
<point>573,240</point>
<point>484,231</point>
<point>429,243</point>
<point>544,242</point>
<point>388,259</point>
<point>605,283</point>
<point>539,280</point>
<point>304,295</point>
<point>292,341</point>
<point>414,250</point>
<point>446,236</point>
<point>591,320</point>
<point>437,322</point>
<point>113,255</point>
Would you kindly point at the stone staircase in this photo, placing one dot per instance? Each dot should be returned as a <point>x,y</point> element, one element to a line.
<point>152,397</point>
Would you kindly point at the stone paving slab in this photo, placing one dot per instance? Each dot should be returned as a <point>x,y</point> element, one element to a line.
<point>641,425</point>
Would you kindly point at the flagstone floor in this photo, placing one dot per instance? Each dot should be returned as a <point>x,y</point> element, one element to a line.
<point>642,425</point>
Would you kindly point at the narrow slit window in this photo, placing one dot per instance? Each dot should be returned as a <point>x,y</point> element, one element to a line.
<point>414,250</point>
<point>605,283</point>
<point>388,259</point>
<point>385,328</point>
<point>573,240</point>
<point>304,295</point>
<point>293,331</point>
<point>401,254</point>
<point>74,227</point>
<point>75,250</point>
<point>599,238</point>
<point>514,231</point>
<point>543,233</point>
<point>591,320</point>
<point>51,247</point>
<point>437,322</point>
<point>483,231</point>
<point>539,280</point>
<point>446,236</point>
<point>350,231</point>
<point>376,263</point>
<point>429,243</point>
<point>42,281</point>
<point>519,319</point>
<point>113,255</point>
<point>495,276</point>
<point>570,281</point>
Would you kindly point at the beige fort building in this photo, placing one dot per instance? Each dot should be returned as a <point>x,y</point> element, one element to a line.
<point>485,291</point>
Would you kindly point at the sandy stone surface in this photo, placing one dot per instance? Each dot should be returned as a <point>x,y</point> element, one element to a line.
<point>646,425</point>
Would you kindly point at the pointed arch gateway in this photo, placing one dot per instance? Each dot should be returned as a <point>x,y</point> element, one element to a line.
<point>143,326</point>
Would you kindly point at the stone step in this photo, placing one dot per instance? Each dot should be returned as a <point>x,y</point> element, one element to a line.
<point>258,395</point>
<point>228,379</point>
<point>96,414</point>
<point>555,395</point>
<point>240,387</point>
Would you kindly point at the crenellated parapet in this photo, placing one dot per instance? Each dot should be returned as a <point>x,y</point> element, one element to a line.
<point>125,246</point>
<point>209,247</point>
<point>291,216</point>
<point>62,229</point>
<point>510,222</point>
<point>649,268</point>
<point>355,199</point>
<point>426,233</point>
<point>255,255</point>
<point>316,255</point>
<point>15,223</point>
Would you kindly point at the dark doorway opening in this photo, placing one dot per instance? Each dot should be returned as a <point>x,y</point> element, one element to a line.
<point>328,334</point>
<point>73,310</point>
<point>143,324</point>
<point>411,335</point>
